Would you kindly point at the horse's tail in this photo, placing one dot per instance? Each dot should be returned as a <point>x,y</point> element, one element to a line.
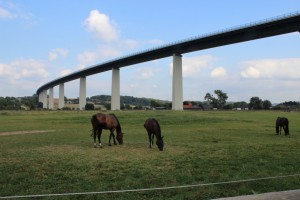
<point>94,121</point>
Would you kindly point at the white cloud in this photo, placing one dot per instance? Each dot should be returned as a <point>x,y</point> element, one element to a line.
<point>129,44</point>
<point>92,57</point>
<point>218,72</point>
<point>28,68</point>
<point>9,10</point>
<point>191,67</point>
<point>6,14</point>
<point>250,72</point>
<point>145,73</point>
<point>272,69</point>
<point>100,24</point>
<point>54,53</point>
<point>65,72</point>
<point>22,76</point>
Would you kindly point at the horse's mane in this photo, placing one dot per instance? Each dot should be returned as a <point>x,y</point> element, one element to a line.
<point>157,126</point>
<point>118,128</point>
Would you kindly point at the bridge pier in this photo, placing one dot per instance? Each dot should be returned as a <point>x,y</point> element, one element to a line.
<point>43,98</point>
<point>115,89</point>
<point>51,101</point>
<point>82,93</point>
<point>177,93</point>
<point>61,102</point>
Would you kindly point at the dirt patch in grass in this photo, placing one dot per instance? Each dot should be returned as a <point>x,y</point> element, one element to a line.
<point>25,132</point>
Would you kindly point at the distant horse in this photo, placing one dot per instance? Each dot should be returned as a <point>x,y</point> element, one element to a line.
<point>106,121</point>
<point>153,128</point>
<point>282,122</point>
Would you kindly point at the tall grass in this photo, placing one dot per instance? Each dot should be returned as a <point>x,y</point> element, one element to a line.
<point>200,147</point>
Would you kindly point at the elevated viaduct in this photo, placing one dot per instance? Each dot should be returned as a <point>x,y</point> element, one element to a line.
<point>258,30</point>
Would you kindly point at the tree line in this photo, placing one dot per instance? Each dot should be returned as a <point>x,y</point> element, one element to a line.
<point>216,100</point>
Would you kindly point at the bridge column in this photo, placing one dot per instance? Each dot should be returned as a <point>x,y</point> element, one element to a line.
<point>61,102</point>
<point>44,99</point>
<point>41,96</point>
<point>115,89</point>
<point>51,101</point>
<point>82,93</point>
<point>177,93</point>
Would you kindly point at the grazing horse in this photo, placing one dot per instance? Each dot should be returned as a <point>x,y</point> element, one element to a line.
<point>106,121</point>
<point>153,128</point>
<point>282,122</point>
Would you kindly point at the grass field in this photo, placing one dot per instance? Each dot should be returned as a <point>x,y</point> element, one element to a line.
<point>200,147</point>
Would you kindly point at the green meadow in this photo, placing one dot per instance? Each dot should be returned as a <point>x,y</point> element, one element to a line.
<point>51,152</point>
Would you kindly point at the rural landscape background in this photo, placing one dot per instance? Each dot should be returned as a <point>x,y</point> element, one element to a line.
<point>222,144</point>
<point>103,102</point>
<point>50,152</point>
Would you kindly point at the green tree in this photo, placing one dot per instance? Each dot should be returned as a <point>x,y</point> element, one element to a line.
<point>89,106</point>
<point>154,104</point>
<point>255,103</point>
<point>219,101</point>
<point>267,104</point>
<point>240,104</point>
<point>108,106</point>
<point>31,101</point>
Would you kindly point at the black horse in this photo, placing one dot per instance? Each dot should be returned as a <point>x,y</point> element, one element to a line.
<point>153,128</point>
<point>106,121</point>
<point>282,122</point>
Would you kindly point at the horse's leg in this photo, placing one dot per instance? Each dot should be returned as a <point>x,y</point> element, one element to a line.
<point>277,130</point>
<point>95,134</point>
<point>286,129</point>
<point>113,136</point>
<point>99,136</point>
<point>150,142</point>
<point>152,138</point>
<point>280,128</point>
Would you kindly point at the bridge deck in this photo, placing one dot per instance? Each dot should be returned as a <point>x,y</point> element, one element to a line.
<point>281,25</point>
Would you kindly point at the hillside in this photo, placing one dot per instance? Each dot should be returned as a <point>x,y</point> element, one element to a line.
<point>128,100</point>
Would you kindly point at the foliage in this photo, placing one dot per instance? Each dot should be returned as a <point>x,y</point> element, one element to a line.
<point>267,104</point>
<point>10,103</point>
<point>13,103</point>
<point>255,103</point>
<point>219,101</point>
<point>288,105</point>
<point>66,108</point>
<point>200,147</point>
<point>89,106</point>
<point>31,101</point>
<point>240,104</point>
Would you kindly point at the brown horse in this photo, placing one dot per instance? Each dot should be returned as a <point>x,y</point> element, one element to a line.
<point>106,121</point>
<point>282,122</point>
<point>153,128</point>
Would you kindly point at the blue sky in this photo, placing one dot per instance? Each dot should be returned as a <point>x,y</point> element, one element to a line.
<point>43,40</point>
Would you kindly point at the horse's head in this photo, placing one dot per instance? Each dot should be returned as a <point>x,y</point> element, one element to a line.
<point>120,137</point>
<point>160,143</point>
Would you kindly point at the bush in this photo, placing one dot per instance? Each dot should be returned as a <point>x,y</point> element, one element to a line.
<point>89,106</point>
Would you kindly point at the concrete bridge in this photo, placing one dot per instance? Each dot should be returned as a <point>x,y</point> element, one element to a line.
<point>258,30</point>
